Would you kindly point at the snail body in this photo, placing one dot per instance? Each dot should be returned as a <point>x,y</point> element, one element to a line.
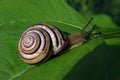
<point>41,41</point>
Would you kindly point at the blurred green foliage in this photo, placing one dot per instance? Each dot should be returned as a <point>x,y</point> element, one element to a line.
<point>108,7</point>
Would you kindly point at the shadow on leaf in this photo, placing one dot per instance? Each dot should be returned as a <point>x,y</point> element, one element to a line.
<point>101,64</point>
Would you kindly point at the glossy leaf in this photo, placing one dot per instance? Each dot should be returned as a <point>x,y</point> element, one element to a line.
<point>60,66</point>
<point>18,15</point>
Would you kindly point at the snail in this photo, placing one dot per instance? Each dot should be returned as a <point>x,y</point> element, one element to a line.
<point>41,41</point>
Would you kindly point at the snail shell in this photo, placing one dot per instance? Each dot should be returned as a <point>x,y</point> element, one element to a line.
<point>39,42</point>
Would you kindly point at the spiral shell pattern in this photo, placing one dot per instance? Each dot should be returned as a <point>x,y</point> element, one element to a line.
<point>39,42</point>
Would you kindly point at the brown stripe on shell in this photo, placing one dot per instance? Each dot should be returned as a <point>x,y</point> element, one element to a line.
<point>52,29</point>
<point>61,41</point>
<point>31,51</point>
<point>60,38</point>
<point>42,54</point>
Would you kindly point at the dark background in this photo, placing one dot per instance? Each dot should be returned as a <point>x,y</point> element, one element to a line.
<point>93,7</point>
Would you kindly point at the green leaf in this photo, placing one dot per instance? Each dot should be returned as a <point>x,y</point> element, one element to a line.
<point>16,16</point>
<point>35,11</point>
<point>60,66</point>
<point>101,64</point>
<point>113,41</point>
<point>107,26</point>
<point>109,29</point>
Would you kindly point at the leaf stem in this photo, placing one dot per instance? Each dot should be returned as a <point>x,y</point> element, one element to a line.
<point>112,35</point>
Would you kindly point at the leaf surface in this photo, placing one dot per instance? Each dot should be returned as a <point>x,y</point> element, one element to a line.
<point>16,16</point>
